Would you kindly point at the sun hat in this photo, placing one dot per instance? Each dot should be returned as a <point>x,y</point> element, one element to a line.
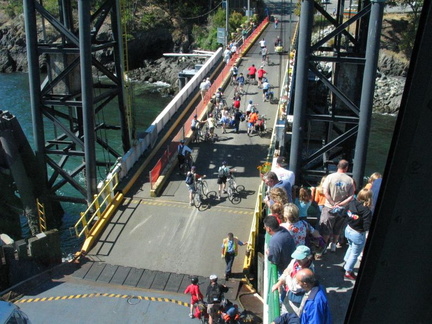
<point>301,252</point>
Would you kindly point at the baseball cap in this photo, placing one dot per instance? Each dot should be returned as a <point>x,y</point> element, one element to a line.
<point>213,277</point>
<point>224,163</point>
<point>280,160</point>
<point>301,252</point>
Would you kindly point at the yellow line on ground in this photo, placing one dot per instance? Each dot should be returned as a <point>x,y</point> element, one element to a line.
<point>186,205</point>
<point>108,295</point>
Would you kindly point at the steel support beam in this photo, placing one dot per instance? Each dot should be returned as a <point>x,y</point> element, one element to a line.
<point>72,102</point>
<point>368,88</point>
<point>301,83</point>
<point>336,127</point>
<point>394,285</point>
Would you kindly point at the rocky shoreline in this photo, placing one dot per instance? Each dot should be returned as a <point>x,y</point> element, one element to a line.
<point>388,90</point>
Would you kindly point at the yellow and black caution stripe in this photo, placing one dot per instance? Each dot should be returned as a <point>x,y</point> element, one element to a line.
<point>128,297</point>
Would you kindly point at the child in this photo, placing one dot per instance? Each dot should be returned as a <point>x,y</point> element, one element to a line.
<point>303,202</point>
<point>195,292</point>
<point>318,194</point>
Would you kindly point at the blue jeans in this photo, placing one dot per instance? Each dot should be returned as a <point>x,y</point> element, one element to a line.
<point>356,241</point>
<point>229,259</point>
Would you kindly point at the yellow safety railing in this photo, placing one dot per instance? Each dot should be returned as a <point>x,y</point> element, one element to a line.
<point>101,201</point>
<point>253,235</point>
<point>41,216</point>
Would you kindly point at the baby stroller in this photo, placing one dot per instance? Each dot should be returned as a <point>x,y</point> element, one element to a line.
<point>200,312</point>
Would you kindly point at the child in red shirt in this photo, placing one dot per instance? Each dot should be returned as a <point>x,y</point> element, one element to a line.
<point>195,292</point>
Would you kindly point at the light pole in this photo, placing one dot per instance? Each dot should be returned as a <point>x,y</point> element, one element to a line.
<point>226,21</point>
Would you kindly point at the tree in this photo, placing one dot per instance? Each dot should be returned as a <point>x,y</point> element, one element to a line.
<point>413,14</point>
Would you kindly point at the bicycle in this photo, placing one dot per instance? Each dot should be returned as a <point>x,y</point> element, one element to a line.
<point>208,137</point>
<point>187,164</point>
<point>251,80</point>
<point>261,125</point>
<point>200,193</point>
<point>233,189</point>
<point>198,135</point>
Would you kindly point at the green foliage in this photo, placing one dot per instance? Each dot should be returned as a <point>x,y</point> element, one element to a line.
<point>236,19</point>
<point>154,19</point>
<point>218,19</point>
<point>409,34</point>
<point>204,38</point>
<point>12,8</point>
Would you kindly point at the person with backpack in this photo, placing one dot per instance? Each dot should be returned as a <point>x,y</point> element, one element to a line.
<point>230,246</point>
<point>215,295</point>
<point>195,292</point>
<point>223,173</point>
<point>182,152</point>
<point>190,180</point>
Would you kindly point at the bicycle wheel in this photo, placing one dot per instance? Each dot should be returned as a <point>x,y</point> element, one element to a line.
<point>204,188</point>
<point>197,200</point>
<point>230,192</point>
<point>240,188</point>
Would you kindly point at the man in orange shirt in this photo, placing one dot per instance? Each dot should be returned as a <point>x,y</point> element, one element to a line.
<point>253,117</point>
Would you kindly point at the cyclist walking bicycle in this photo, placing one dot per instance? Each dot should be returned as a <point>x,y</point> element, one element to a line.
<point>184,156</point>
<point>196,187</point>
<point>240,84</point>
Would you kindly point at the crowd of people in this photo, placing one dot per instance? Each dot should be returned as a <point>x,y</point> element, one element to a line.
<point>344,218</point>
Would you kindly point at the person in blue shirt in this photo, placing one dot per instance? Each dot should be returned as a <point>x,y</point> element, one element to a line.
<point>271,180</point>
<point>314,307</point>
<point>230,246</point>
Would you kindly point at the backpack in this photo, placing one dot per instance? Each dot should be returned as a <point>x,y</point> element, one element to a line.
<point>215,294</point>
<point>189,178</point>
<point>222,172</point>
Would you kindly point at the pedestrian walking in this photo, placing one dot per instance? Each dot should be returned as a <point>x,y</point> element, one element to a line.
<point>223,173</point>
<point>195,292</point>
<point>215,293</point>
<point>230,246</point>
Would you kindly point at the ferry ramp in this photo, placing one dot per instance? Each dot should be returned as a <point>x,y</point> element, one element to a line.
<point>166,234</point>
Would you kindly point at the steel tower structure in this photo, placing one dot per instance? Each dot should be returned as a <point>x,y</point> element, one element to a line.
<point>323,133</point>
<point>70,106</point>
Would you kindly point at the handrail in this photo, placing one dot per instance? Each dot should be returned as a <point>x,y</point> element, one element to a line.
<point>99,204</point>
<point>201,108</point>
